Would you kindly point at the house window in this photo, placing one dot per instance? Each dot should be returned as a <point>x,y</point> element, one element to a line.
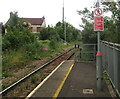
<point>34,29</point>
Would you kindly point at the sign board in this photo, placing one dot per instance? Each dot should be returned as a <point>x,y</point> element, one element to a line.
<point>98,23</point>
<point>98,20</point>
<point>98,12</point>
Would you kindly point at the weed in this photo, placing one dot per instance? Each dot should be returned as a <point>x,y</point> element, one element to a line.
<point>4,86</point>
<point>13,59</point>
<point>34,79</point>
<point>27,86</point>
<point>105,76</point>
<point>4,75</point>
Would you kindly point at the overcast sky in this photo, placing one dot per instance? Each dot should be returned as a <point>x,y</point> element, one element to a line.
<point>51,9</point>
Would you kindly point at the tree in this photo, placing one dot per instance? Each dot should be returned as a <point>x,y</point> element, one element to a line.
<point>49,33</point>
<point>88,35</point>
<point>17,35</point>
<point>14,19</point>
<point>56,33</point>
<point>72,33</point>
<point>113,23</point>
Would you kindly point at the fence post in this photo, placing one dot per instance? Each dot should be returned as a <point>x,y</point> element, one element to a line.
<point>82,57</point>
<point>80,52</point>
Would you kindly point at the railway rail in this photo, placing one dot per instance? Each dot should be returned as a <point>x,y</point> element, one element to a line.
<point>22,80</point>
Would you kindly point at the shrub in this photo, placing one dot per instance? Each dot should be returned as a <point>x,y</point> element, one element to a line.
<point>53,44</point>
<point>17,39</point>
<point>33,49</point>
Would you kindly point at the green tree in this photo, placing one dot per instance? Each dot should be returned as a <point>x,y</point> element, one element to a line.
<point>88,34</point>
<point>72,33</point>
<point>49,33</point>
<point>17,35</point>
<point>112,23</point>
<point>57,33</point>
<point>14,19</point>
<point>60,30</point>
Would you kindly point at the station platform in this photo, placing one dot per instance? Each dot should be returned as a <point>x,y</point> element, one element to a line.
<point>71,79</point>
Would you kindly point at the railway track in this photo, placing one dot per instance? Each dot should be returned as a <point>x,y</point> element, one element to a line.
<point>46,69</point>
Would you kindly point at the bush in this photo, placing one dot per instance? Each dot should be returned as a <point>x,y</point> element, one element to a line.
<point>33,50</point>
<point>14,59</point>
<point>17,39</point>
<point>53,44</point>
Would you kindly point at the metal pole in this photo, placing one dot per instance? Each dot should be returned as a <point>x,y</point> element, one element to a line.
<point>1,56</point>
<point>63,13</point>
<point>64,23</point>
<point>65,29</point>
<point>98,36</point>
<point>99,62</point>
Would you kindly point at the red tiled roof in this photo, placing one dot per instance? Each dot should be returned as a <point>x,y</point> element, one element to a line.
<point>34,21</point>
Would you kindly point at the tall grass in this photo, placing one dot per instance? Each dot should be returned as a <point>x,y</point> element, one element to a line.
<point>14,58</point>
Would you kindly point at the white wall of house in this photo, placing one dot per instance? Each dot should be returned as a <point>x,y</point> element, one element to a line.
<point>5,31</point>
<point>44,24</point>
<point>34,28</point>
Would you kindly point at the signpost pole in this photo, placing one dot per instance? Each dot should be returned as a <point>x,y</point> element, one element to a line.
<point>98,39</point>
<point>99,62</point>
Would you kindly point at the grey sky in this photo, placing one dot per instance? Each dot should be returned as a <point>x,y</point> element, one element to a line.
<point>51,9</point>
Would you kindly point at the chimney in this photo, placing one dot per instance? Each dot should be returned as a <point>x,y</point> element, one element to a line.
<point>11,14</point>
<point>43,17</point>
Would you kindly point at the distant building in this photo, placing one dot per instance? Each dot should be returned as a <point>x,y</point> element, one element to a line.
<point>35,23</point>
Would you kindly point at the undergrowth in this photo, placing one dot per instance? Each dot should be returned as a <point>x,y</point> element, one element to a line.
<point>17,58</point>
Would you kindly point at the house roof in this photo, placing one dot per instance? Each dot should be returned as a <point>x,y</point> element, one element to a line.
<point>34,21</point>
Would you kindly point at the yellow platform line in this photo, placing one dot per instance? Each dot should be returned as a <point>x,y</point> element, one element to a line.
<point>62,83</point>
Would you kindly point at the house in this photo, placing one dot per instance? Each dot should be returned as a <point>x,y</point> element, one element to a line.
<point>35,23</point>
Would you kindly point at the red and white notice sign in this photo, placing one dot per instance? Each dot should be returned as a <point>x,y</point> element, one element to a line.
<point>98,12</point>
<point>98,20</point>
<point>98,23</point>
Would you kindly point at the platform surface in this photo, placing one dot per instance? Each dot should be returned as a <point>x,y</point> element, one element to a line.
<point>82,77</point>
<point>49,88</point>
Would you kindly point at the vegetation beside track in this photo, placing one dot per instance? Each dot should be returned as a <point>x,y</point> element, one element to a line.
<point>21,49</point>
<point>23,88</point>
<point>31,52</point>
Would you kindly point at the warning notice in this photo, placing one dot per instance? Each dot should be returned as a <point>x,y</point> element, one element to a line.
<point>98,12</point>
<point>98,23</point>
